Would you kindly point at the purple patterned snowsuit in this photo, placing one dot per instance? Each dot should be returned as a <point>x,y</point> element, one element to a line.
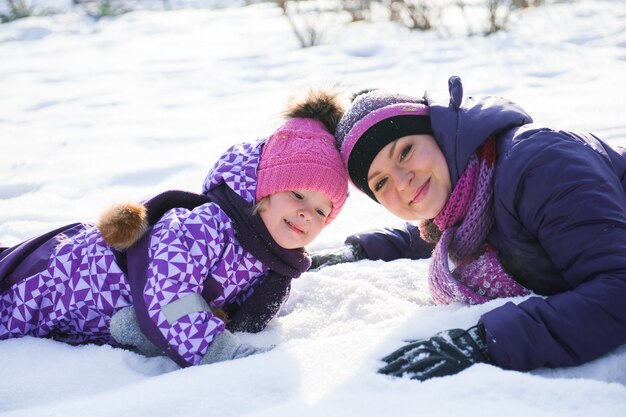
<point>78,285</point>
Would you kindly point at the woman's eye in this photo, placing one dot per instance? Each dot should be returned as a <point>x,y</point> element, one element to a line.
<point>297,195</point>
<point>405,152</point>
<point>380,184</point>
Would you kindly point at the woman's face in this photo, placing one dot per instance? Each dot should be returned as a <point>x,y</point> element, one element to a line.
<point>410,177</point>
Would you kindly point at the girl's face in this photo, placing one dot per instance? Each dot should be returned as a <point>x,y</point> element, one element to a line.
<point>410,177</point>
<point>295,218</point>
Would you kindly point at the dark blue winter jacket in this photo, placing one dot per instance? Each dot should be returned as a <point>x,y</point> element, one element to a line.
<point>560,230</point>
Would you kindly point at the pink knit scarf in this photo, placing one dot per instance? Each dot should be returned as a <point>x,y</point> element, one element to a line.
<point>460,231</point>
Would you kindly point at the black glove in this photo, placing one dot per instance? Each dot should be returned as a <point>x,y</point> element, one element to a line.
<point>446,353</point>
<point>326,257</point>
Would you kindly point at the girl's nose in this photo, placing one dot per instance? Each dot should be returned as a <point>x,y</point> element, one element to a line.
<point>304,213</point>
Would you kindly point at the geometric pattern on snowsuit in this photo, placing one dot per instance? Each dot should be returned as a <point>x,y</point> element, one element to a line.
<point>237,168</point>
<point>73,299</point>
<point>75,296</point>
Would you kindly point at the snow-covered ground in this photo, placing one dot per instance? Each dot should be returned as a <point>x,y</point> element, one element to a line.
<point>93,113</point>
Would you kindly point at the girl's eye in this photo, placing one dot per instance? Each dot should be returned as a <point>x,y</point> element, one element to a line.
<point>298,196</point>
<point>405,152</point>
<point>380,184</point>
<point>321,212</point>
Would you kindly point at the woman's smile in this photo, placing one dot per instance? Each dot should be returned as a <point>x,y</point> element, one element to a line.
<point>421,192</point>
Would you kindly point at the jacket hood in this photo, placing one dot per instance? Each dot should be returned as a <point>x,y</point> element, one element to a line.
<point>237,167</point>
<point>461,125</point>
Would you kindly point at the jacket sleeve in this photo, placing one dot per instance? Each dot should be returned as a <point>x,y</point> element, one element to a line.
<point>184,246</point>
<point>392,243</point>
<point>567,197</point>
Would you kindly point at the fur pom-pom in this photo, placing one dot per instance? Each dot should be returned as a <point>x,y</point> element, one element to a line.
<point>123,224</point>
<point>322,104</point>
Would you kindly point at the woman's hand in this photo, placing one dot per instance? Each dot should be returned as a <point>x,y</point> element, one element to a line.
<point>446,353</point>
<point>342,254</point>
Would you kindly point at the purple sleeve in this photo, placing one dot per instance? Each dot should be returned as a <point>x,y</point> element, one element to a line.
<point>184,245</point>
<point>392,243</point>
<point>571,201</point>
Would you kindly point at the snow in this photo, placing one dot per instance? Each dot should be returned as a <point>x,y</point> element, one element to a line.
<point>98,112</point>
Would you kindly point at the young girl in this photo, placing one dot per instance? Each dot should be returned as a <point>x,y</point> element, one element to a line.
<point>511,208</point>
<point>161,277</point>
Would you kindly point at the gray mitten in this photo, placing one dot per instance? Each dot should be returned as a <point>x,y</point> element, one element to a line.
<point>125,330</point>
<point>226,346</point>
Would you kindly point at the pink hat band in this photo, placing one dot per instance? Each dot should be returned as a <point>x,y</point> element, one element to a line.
<point>376,116</point>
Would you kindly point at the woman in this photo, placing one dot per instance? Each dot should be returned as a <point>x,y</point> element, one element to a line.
<point>518,208</point>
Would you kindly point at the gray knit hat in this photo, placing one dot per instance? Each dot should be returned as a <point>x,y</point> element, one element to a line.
<point>375,119</point>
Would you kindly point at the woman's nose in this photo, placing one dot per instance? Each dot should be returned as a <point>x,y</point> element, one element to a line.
<point>403,179</point>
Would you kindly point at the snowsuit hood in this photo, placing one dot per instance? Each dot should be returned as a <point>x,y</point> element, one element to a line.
<point>461,125</point>
<point>237,168</point>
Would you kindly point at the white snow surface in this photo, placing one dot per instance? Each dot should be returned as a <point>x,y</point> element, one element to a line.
<point>98,112</point>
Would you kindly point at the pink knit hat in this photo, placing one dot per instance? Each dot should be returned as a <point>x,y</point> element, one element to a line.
<point>301,155</point>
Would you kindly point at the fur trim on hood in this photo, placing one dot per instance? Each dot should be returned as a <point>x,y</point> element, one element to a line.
<point>123,224</point>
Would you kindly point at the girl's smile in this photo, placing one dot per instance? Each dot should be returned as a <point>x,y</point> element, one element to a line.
<point>293,227</point>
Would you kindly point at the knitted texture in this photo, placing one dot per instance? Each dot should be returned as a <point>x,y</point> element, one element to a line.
<point>361,107</point>
<point>375,119</point>
<point>460,231</point>
<point>360,126</point>
<point>301,155</point>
